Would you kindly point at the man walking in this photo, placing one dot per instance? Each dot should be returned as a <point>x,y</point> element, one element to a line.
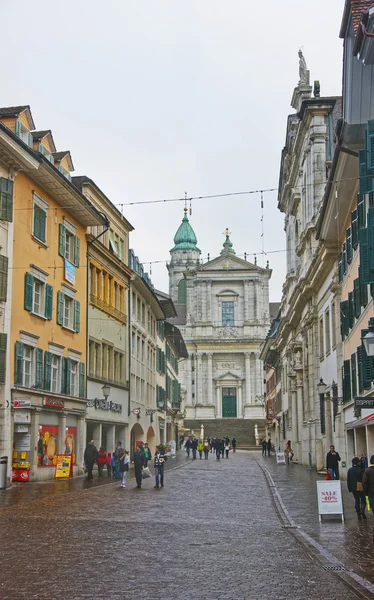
<point>159,464</point>
<point>269,446</point>
<point>264,446</point>
<point>139,462</point>
<point>233,444</point>
<point>116,456</point>
<point>332,463</point>
<point>368,482</point>
<point>194,448</point>
<point>354,483</point>
<point>90,457</point>
<point>218,446</point>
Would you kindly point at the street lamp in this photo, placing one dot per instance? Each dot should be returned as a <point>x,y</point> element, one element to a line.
<point>106,390</point>
<point>368,339</point>
<point>321,387</point>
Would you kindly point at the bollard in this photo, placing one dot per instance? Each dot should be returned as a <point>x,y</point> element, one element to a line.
<point>3,472</point>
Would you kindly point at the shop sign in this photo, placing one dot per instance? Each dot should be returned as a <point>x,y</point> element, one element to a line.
<point>364,402</point>
<point>21,429</point>
<point>69,272</point>
<point>329,495</point>
<point>63,466</point>
<point>22,417</point>
<point>54,402</point>
<point>107,405</point>
<point>20,474</point>
<point>22,403</point>
<point>22,442</point>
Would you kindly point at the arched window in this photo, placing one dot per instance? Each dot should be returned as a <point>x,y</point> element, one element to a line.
<point>182,295</point>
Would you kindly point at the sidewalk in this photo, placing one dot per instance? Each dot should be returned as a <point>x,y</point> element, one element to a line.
<point>350,542</point>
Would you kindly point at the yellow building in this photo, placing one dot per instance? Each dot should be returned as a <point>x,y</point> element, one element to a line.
<point>45,386</point>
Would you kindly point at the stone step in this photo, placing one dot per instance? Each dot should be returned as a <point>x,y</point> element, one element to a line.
<point>242,429</point>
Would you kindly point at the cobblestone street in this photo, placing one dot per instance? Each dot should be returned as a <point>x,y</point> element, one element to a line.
<point>212,533</point>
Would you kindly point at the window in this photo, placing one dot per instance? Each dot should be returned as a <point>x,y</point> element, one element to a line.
<point>327,330</point>
<point>6,199</point>
<point>118,367</point>
<point>39,227</point>
<point>28,370</point>
<point>228,313</point>
<point>333,326</point>
<point>28,355</point>
<point>23,133</point>
<point>182,292</point>
<point>68,312</point>
<point>69,243</point>
<point>133,302</point>
<point>55,374</point>
<point>321,344</point>
<point>138,313</point>
<point>38,297</point>
<point>74,378</point>
<point>133,343</point>
<point>3,277</point>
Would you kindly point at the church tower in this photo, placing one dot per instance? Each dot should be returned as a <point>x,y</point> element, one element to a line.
<point>185,256</point>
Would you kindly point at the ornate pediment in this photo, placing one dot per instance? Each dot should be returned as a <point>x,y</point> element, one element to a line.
<point>229,376</point>
<point>229,262</point>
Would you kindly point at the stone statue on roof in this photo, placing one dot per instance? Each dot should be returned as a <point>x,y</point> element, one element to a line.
<point>303,71</point>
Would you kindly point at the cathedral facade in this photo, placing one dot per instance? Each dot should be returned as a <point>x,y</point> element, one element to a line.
<point>224,315</point>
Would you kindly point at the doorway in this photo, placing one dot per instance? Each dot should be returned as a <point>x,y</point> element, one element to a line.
<point>229,409</point>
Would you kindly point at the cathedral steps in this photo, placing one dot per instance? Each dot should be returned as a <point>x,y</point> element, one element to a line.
<point>242,429</point>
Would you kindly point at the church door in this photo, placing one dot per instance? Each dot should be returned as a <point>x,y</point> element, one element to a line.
<point>229,402</point>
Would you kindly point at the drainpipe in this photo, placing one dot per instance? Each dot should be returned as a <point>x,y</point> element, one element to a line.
<point>130,350</point>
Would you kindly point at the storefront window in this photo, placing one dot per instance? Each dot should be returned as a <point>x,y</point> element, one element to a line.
<point>70,439</point>
<point>47,445</point>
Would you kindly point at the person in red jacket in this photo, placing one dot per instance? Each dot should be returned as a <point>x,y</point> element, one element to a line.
<point>101,461</point>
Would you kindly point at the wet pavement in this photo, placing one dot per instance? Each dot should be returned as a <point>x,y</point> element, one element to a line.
<point>213,532</point>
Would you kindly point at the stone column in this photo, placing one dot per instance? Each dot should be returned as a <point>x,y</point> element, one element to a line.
<point>240,401</point>
<point>203,301</point>
<point>246,300</point>
<point>247,378</point>
<point>111,438</point>
<point>199,377</point>
<point>80,442</point>
<point>252,361</point>
<point>210,378</point>
<point>97,435</point>
<point>255,300</point>
<point>34,431</point>
<point>219,402</point>
<point>209,301</point>
<point>61,433</point>
<point>294,429</point>
<point>188,381</point>
<point>300,414</point>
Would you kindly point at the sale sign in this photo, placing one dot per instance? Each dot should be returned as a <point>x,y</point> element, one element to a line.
<point>330,500</point>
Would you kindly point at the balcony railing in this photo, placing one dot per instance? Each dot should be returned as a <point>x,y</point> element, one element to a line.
<point>108,308</point>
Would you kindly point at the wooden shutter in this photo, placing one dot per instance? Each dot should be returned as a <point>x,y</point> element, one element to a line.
<point>354,228</point>
<point>363,293</point>
<point>353,375</point>
<point>370,229</point>
<point>340,267</point>
<point>40,218</point>
<point>6,197</point>
<point>3,277</point>
<point>68,372</point>
<point>367,365</point>
<point>60,308</point>
<point>38,368</point>
<point>366,182</point>
<point>359,369</point>
<point>351,310</point>
<point>344,318</point>
<point>18,365</point>
<point>77,245</point>
<point>29,291</point>
<point>61,240</point>
<point>48,301</point>
<point>347,395</point>
<point>361,212</point>
<point>349,245</point>
<point>47,370</point>
<point>357,297</point>
<point>363,237</point>
<point>77,316</point>
<point>81,379</point>
<point>345,264</point>
<point>3,344</point>
<point>64,367</point>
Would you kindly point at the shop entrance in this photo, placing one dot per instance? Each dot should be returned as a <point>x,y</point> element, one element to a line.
<point>137,435</point>
<point>229,402</point>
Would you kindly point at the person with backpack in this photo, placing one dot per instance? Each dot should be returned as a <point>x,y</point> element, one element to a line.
<point>188,447</point>
<point>355,487</point>
<point>124,462</point>
<point>101,461</point>
<point>368,482</point>
<point>159,464</point>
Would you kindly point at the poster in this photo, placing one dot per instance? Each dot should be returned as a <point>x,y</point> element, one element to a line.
<point>22,442</point>
<point>22,416</point>
<point>63,466</point>
<point>281,459</point>
<point>330,501</point>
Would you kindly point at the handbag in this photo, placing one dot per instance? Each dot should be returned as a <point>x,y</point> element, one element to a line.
<point>146,473</point>
<point>360,487</point>
<point>328,476</point>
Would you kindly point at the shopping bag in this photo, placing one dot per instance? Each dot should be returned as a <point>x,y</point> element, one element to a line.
<point>328,476</point>
<point>146,473</point>
<point>368,503</point>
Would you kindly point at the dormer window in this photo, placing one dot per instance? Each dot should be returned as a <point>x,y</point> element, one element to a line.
<point>64,171</point>
<point>23,133</point>
<point>47,154</point>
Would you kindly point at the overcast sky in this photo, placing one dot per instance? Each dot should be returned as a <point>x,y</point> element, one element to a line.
<point>157,97</point>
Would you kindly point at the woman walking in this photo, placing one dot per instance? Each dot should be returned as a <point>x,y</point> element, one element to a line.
<point>206,449</point>
<point>124,466</point>
<point>101,461</point>
<point>200,448</point>
<point>288,452</point>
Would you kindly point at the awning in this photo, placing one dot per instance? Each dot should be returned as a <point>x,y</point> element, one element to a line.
<point>369,420</point>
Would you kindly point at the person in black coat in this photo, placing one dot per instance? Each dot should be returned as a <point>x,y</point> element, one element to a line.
<point>233,444</point>
<point>332,462</point>
<point>269,445</point>
<point>90,457</point>
<point>354,483</point>
<point>139,462</point>
<point>264,446</point>
<point>194,448</point>
<point>218,446</point>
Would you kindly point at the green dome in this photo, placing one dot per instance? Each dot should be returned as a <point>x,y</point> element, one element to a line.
<point>228,245</point>
<point>185,238</point>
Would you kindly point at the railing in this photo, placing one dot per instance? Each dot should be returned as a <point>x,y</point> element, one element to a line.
<point>108,308</point>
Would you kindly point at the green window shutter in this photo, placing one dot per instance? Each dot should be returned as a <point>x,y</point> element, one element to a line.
<point>38,368</point>
<point>345,264</point>
<point>366,181</point>
<point>354,228</point>
<point>3,277</point>
<point>64,368</point>
<point>353,375</point>
<point>29,291</point>
<point>349,245</point>
<point>68,371</point>
<point>357,297</point>
<point>77,247</point>
<point>61,240</point>
<point>351,310</point>
<point>18,365</point>
<point>48,301</point>
<point>60,308</point>
<point>340,267</point>
<point>370,145</point>
<point>82,372</point>
<point>359,369</point>
<point>344,318</point>
<point>77,316</point>
<point>363,237</point>
<point>361,212</point>
<point>347,380</point>
<point>3,343</point>
<point>40,221</point>
<point>47,370</point>
<point>363,293</point>
<point>6,199</point>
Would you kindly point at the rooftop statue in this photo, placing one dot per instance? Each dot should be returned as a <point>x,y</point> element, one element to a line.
<point>303,71</point>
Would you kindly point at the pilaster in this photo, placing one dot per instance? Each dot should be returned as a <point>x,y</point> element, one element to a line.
<point>210,378</point>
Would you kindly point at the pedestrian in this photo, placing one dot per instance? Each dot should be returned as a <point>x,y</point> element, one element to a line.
<point>269,446</point>
<point>288,452</point>
<point>212,444</point>
<point>162,449</point>
<point>223,446</point>
<point>332,463</point>
<point>194,448</point>
<point>124,466</point>
<point>90,457</point>
<point>159,464</point>
<point>139,462</point>
<point>368,482</point>
<point>116,455</point>
<point>188,447</point>
<point>147,454</point>
<point>354,483</point>
<point>113,467</point>
<point>200,448</point>
<point>218,446</point>
<point>233,444</point>
<point>264,447</point>
<point>206,449</point>
<point>227,449</point>
<point>108,464</point>
<point>181,441</point>
<point>101,461</point>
